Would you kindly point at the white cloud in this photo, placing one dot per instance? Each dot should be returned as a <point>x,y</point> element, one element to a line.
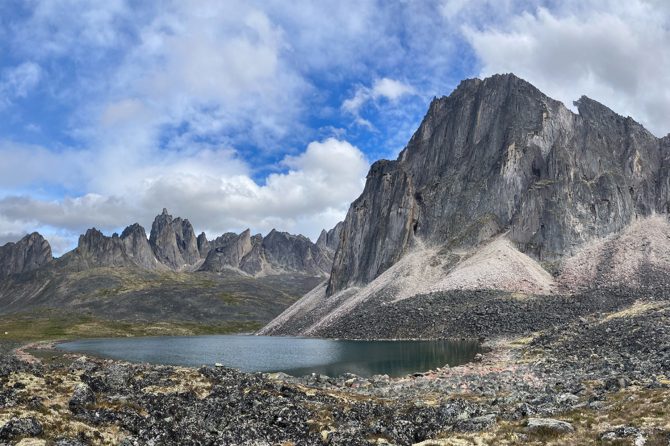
<point>53,27</point>
<point>614,52</point>
<point>219,67</point>
<point>24,166</point>
<point>18,81</point>
<point>384,88</point>
<point>390,89</point>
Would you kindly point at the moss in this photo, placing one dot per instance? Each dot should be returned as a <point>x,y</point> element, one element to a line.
<point>50,325</point>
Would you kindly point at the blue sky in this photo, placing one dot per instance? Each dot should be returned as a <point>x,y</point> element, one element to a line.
<point>267,114</point>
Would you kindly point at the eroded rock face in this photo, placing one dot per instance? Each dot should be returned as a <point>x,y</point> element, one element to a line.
<point>173,241</point>
<point>497,155</point>
<point>96,249</point>
<point>294,253</point>
<point>273,254</point>
<point>330,239</point>
<point>131,249</point>
<point>228,251</point>
<point>137,247</point>
<point>203,245</point>
<point>29,253</point>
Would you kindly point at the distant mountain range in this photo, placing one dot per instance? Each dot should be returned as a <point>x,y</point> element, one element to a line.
<point>172,275</point>
<point>173,246</point>
<point>500,188</point>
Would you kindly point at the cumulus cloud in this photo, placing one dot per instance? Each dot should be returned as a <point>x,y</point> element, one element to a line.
<point>314,193</point>
<point>614,52</point>
<point>26,165</point>
<point>18,81</point>
<point>384,88</point>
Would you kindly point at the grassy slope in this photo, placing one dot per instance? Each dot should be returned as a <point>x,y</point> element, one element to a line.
<point>56,303</point>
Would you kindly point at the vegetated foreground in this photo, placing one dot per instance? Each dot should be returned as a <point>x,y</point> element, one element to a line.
<point>593,375</point>
<point>130,302</point>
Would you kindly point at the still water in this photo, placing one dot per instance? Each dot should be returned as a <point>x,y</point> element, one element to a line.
<point>295,356</point>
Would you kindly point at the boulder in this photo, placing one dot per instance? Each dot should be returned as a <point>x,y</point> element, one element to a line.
<point>82,398</point>
<point>548,425</point>
<point>20,427</point>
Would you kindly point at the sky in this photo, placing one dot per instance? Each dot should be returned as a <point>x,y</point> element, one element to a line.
<point>267,114</point>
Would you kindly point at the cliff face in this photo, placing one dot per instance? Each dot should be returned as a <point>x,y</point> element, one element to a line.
<point>330,239</point>
<point>275,253</point>
<point>137,247</point>
<point>498,156</point>
<point>228,251</point>
<point>131,249</point>
<point>664,183</point>
<point>29,253</point>
<point>173,241</point>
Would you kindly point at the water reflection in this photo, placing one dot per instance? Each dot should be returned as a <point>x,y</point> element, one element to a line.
<point>295,356</point>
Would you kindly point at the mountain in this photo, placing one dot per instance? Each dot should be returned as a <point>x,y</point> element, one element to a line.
<point>29,253</point>
<point>174,241</point>
<point>497,189</point>
<point>278,252</point>
<point>330,239</point>
<point>173,277</point>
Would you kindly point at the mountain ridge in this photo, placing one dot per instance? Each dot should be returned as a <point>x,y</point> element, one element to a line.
<point>173,246</point>
<point>118,280</point>
<point>500,188</point>
<point>490,157</point>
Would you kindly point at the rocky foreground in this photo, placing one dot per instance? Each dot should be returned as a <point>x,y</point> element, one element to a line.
<point>600,378</point>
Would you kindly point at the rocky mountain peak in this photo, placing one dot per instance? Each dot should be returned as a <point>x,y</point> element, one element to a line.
<point>498,156</point>
<point>173,241</point>
<point>276,253</point>
<point>29,253</point>
<point>96,249</point>
<point>330,239</point>
<point>137,247</point>
<point>134,230</point>
<point>203,245</point>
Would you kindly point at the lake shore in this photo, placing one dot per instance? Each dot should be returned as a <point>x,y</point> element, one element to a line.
<point>600,379</point>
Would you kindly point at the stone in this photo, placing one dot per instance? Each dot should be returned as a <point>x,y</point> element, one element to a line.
<point>28,254</point>
<point>20,427</point>
<point>276,253</point>
<point>548,425</point>
<point>330,239</point>
<point>137,247</point>
<point>69,442</point>
<point>31,442</point>
<point>173,241</point>
<point>203,245</point>
<point>131,249</point>
<point>82,398</point>
<point>475,424</point>
<point>497,155</point>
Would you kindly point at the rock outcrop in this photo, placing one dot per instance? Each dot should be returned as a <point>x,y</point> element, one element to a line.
<point>501,188</point>
<point>138,248</point>
<point>284,251</point>
<point>203,245</point>
<point>276,253</point>
<point>173,241</point>
<point>97,249</point>
<point>330,239</point>
<point>495,156</point>
<point>131,249</point>
<point>228,251</point>
<point>29,253</point>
